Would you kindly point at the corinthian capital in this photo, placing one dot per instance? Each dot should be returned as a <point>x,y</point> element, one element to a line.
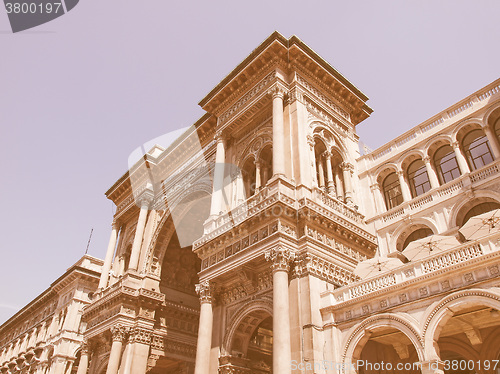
<point>119,333</point>
<point>346,166</point>
<point>277,91</point>
<point>205,291</point>
<point>280,258</point>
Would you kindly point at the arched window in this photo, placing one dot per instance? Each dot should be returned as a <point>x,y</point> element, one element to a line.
<point>480,209</point>
<point>417,234</point>
<point>446,164</point>
<point>419,180</point>
<point>477,149</point>
<point>392,191</point>
<point>496,128</point>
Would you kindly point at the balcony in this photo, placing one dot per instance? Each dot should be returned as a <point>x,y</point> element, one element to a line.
<point>437,195</point>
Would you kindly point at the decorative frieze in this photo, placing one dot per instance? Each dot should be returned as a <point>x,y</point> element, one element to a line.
<point>140,335</point>
<point>309,264</point>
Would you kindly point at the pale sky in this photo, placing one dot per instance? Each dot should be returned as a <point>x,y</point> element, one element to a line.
<point>79,94</point>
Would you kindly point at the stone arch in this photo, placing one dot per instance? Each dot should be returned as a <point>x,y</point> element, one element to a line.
<point>459,210</point>
<point>435,142</point>
<point>383,171</point>
<point>360,334</point>
<point>464,127</point>
<point>264,306</point>
<point>438,313</point>
<point>259,141</point>
<point>406,228</point>
<point>332,141</point>
<point>408,157</point>
<point>165,229</point>
<point>491,117</point>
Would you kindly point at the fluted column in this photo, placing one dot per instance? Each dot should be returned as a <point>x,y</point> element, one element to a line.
<point>329,174</point>
<point>218,183</point>
<point>106,267</point>
<point>433,179</point>
<point>205,328</point>
<point>347,169</point>
<point>492,139</point>
<point>462,162</point>
<point>280,259</point>
<point>119,334</point>
<point>257,176</point>
<point>84,359</point>
<point>278,94</point>
<point>139,231</point>
<point>405,189</point>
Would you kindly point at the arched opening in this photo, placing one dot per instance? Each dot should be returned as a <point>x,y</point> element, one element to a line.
<point>476,207</point>
<point>494,122</point>
<point>384,350</point>
<point>319,151</point>
<point>249,177</point>
<point>266,164</point>
<point>417,234</point>
<point>470,335</point>
<point>446,164</point>
<point>251,343</point>
<point>392,191</point>
<point>477,149</point>
<point>418,178</point>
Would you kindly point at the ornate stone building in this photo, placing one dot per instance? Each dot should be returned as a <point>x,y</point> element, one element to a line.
<point>233,249</point>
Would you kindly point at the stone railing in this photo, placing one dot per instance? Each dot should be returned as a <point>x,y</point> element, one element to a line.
<point>435,264</point>
<point>337,205</point>
<point>443,192</point>
<point>445,117</point>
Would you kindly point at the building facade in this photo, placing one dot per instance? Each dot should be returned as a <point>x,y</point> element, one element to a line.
<point>233,249</point>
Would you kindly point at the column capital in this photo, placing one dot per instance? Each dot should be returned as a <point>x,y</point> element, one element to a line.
<point>426,160</point>
<point>347,166</point>
<point>326,154</point>
<point>221,137</point>
<point>85,348</point>
<point>455,145</point>
<point>280,258</point>
<point>119,332</point>
<point>277,91</point>
<point>375,187</point>
<point>116,224</point>
<point>205,291</point>
<point>140,335</point>
<point>400,173</point>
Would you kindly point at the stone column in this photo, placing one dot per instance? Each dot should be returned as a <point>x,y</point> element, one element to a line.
<point>405,189</point>
<point>321,173</point>
<point>257,176</point>
<point>311,142</point>
<point>103,282</point>
<point>278,94</point>
<point>119,334</point>
<point>280,258</point>
<point>329,174</point>
<point>433,179</point>
<point>492,139</point>
<point>347,169</point>
<point>205,328</point>
<point>141,340</point>
<point>139,231</point>
<point>378,198</point>
<point>84,359</point>
<point>218,183</point>
<point>462,162</point>
<point>265,174</point>
<point>338,184</point>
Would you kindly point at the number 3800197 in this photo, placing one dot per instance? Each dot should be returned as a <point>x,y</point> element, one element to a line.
<point>25,8</point>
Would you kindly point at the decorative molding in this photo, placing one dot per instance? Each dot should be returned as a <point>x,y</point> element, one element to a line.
<point>205,291</point>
